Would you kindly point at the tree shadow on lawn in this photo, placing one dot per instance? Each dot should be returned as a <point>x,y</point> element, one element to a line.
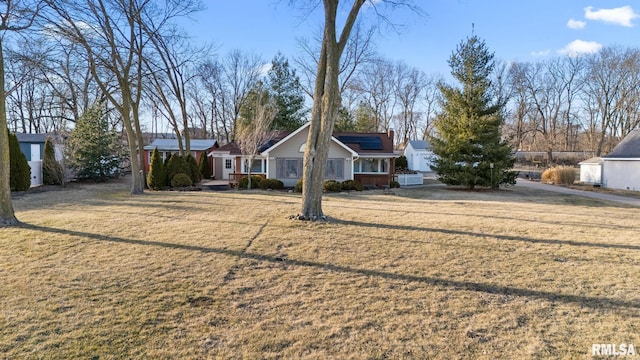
<point>586,301</point>
<point>511,194</point>
<point>483,235</point>
<point>515,218</point>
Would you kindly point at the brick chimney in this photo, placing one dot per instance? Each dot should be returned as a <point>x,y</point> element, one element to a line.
<point>391,134</point>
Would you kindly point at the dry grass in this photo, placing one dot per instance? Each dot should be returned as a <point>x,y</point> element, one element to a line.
<point>565,175</point>
<point>420,273</point>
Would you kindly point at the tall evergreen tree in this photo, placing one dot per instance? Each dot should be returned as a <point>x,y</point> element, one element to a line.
<point>205,168</point>
<point>156,178</point>
<point>284,87</point>
<point>345,122</point>
<point>52,171</point>
<point>469,145</point>
<point>195,169</point>
<point>95,151</point>
<point>20,171</point>
<point>365,119</point>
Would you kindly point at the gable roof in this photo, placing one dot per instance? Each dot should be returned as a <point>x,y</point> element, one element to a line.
<point>172,144</point>
<point>420,145</point>
<point>297,131</point>
<point>629,147</point>
<point>31,138</point>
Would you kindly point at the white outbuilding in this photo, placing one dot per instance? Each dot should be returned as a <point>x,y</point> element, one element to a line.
<point>621,167</point>
<point>591,171</point>
<point>419,155</point>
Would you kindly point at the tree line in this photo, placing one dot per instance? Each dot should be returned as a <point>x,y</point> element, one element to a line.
<point>132,59</point>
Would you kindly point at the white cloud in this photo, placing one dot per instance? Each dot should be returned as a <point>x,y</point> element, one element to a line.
<point>576,24</point>
<point>622,16</point>
<point>579,47</point>
<point>541,53</point>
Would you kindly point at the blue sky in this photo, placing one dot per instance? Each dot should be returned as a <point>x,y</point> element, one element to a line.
<point>515,30</point>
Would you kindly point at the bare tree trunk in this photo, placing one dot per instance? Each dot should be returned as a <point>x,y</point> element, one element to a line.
<point>7,215</point>
<point>326,103</point>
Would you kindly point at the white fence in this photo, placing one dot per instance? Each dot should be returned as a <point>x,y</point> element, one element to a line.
<point>409,179</point>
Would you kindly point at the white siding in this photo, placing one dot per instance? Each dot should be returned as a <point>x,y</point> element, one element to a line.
<point>619,174</point>
<point>291,150</point>
<point>419,160</point>
<point>591,173</point>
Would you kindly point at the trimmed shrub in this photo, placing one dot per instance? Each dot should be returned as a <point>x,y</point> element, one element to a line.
<point>255,182</point>
<point>156,178</point>
<point>348,185</point>
<point>274,184</point>
<point>204,167</point>
<point>181,180</point>
<point>52,171</point>
<point>394,184</point>
<point>166,160</point>
<point>19,169</point>
<point>564,175</point>
<point>177,165</point>
<point>402,163</point>
<point>332,186</point>
<point>195,169</point>
<point>298,187</point>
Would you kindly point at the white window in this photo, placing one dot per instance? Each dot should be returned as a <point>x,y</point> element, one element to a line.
<point>371,166</point>
<point>334,169</point>
<point>227,163</point>
<point>256,167</point>
<point>289,168</point>
<point>293,168</point>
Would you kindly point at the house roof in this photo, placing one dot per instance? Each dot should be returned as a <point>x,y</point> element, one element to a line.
<point>420,145</point>
<point>367,143</point>
<point>172,144</point>
<point>629,147</point>
<point>284,139</point>
<point>593,160</point>
<point>32,138</point>
<point>233,149</point>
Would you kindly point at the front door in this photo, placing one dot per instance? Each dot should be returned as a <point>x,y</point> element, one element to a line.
<point>228,166</point>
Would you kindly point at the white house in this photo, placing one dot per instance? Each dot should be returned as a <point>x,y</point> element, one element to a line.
<point>419,155</point>
<point>367,158</point>
<point>621,167</point>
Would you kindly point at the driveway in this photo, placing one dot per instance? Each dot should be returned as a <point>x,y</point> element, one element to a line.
<point>592,194</point>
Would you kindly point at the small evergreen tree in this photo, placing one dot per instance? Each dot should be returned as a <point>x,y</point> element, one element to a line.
<point>401,163</point>
<point>95,151</point>
<point>205,168</point>
<point>20,171</point>
<point>345,122</point>
<point>177,165</point>
<point>195,169</point>
<point>365,119</point>
<point>52,171</point>
<point>469,146</point>
<point>283,85</point>
<point>156,178</point>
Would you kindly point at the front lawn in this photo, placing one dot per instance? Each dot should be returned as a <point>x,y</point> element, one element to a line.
<point>95,273</point>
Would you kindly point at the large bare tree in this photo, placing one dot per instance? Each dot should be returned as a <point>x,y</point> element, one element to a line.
<point>113,34</point>
<point>326,99</point>
<point>15,16</point>
<point>170,65</point>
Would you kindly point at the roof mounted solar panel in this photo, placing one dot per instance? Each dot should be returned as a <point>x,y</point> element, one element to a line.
<point>365,142</point>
